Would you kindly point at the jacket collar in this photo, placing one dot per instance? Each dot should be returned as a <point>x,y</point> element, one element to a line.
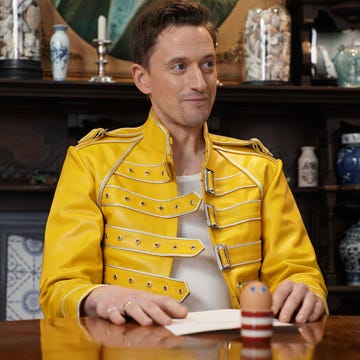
<point>154,129</point>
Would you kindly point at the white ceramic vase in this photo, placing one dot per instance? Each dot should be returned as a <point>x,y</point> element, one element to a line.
<point>308,167</point>
<point>60,52</point>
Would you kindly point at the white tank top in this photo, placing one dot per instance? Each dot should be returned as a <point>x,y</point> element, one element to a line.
<point>208,290</point>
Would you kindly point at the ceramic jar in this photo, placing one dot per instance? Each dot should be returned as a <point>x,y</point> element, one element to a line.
<point>20,27</point>
<point>347,65</point>
<point>308,167</point>
<point>349,250</point>
<point>60,52</point>
<point>267,43</point>
<point>348,159</point>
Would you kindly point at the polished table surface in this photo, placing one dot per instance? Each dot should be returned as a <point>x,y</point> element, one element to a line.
<point>335,337</point>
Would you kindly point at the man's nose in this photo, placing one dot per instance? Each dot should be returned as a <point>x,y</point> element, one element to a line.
<point>197,80</point>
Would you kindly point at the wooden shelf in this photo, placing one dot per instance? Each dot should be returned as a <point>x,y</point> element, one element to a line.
<point>241,94</point>
<point>23,197</point>
<point>26,187</point>
<point>344,289</point>
<point>342,188</point>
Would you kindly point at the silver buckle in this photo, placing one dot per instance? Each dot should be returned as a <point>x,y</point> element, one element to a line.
<point>209,181</point>
<point>210,222</point>
<point>220,264</point>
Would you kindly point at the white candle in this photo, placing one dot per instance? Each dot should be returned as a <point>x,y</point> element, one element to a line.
<point>101,28</point>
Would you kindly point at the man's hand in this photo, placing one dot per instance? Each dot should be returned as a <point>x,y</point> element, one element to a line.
<point>115,303</point>
<point>295,301</point>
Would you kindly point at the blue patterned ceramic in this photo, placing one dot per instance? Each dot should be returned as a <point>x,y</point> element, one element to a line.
<point>349,250</point>
<point>348,159</point>
<point>60,52</point>
<point>24,259</point>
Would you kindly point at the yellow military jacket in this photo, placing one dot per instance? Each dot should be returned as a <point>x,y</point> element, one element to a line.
<point>114,218</point>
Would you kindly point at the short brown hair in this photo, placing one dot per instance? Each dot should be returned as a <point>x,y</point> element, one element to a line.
<point>157,17</point>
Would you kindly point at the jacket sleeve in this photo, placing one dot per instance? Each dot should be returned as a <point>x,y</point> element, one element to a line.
<point>287,250</point>
<point>72,262</point>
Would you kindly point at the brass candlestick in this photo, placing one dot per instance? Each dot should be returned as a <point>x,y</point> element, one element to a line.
<point>101,50</point>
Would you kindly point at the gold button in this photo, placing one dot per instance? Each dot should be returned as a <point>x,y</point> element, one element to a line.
<point>165,288</point>
<point>119,237</point>
<point>138,241</point>
<point>116,276</point>
<point>157,245</point>
<point>131,280</point>
<point>149,284</point>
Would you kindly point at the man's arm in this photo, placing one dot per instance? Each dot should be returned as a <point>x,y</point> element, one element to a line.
<point>289,266</point>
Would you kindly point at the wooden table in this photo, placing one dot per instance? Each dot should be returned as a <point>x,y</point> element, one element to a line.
<point>336,337</point>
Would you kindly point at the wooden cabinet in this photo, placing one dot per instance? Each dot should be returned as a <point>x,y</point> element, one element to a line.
<point>39,119</point>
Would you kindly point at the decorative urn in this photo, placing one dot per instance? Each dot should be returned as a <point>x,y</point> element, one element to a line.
<point>347,65</point>
<point>348,159</point>
<point>349,250</point>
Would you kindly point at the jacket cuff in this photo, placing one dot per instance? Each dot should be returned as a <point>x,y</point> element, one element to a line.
<point>72,301</point>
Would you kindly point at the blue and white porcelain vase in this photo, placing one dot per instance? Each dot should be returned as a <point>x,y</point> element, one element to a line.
<point>60,52</point>
<point>349,250</point>
<point>348,159</point>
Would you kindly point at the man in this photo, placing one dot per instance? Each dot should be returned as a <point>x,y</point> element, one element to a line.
<point>154,221</point>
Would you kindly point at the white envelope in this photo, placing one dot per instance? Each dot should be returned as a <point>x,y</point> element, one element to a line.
<point>211,320</point>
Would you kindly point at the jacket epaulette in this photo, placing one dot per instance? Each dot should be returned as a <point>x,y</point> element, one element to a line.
<point>257,145</point>
<point>93,135</point>
<point>253,143</point>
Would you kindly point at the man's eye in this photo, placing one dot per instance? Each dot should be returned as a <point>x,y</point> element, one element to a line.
<point>179,67</point>
<point>209,65</point>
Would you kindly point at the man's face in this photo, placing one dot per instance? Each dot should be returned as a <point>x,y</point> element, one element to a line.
<point>182,77</point>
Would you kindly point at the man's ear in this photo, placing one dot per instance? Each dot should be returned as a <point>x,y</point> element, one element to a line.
<point>141,78</point>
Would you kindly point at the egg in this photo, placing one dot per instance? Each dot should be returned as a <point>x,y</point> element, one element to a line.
<point>256,296</point>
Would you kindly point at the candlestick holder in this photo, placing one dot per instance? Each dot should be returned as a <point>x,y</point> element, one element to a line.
<point>101,50</point>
